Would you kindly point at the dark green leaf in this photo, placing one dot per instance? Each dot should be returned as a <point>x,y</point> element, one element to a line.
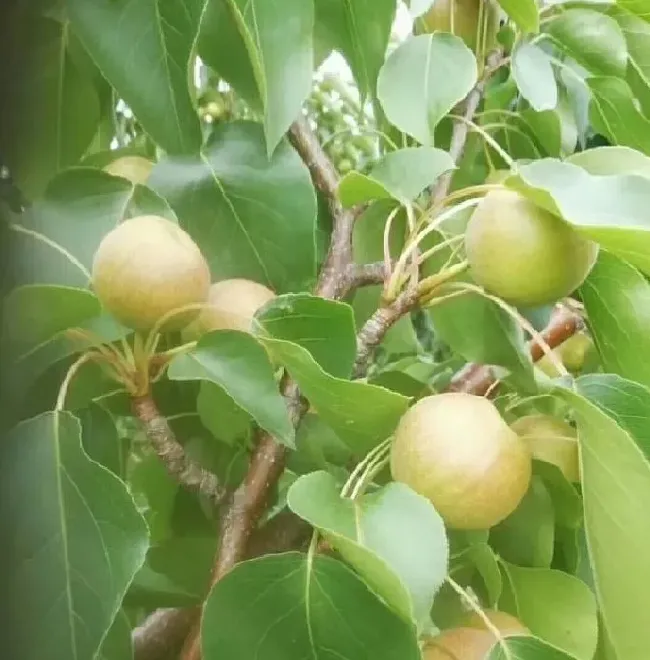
<point>556,607</point>
<point>144,49</point>
<point>523,12</point>
<point>101,440</point>
<point>393,537</point>
<point>247,213</point>
<point>225,420</point>
<point>361,415</point>
<point>527,648</point>
<point>617,299</point>
<point>324,327</point>
<point>422,80</point>
<point>533,73</point>
<point>51,109</point>
<point>616,489</point>
<point>117,643</point>
<point>317,447</point>
<point>310,607</point>
<point>401,175</point>
<point>264,50</point>
<point>77,541</point>
<point>593,39</point>
<point>567,504</point>
<point>237,363</point>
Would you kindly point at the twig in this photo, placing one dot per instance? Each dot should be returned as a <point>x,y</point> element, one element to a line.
<point>357,276</point>
<point>180,466</point>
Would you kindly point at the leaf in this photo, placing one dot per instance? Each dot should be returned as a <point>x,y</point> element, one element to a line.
<point>247,212</point>
<point>609,210</point>
<point>310,607</point>
<point>567,504</point>
<point>615,488</point>
<point>523,12</point>
<point>422,80</point>
<point>556,607</point>
<point>238,364</point>
<point>77,541</point>
<point>100,439</point>
<point>614,114</point>
<point>317,447</point>
<point>393,537</point>
<point>533,73</point>
<point>117,643</point>
<point>225,420</point>
<point>360,31</point>
<point>144,49</point>
<point>638,7</point>
<point>400,175</point>
<point>591,38</point>
<point>612,160</point>
<point>57,237</point>
<point>323,327</point>
<point>53,110</point>
<point>527,648</point>
<point>527,535</point>
<point>361,415</point>
<point>264,50</point>
<point>617,299</point>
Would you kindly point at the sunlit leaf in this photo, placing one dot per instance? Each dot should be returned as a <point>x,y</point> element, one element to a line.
<point>533,73</point>
<point>523,12</point>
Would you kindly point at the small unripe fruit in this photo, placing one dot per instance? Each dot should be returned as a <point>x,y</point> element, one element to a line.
<point>524,254</point>
<point>456,450</point>
<point>147,267</point>
<point>551,440</point>
<point>231,306</point>
<point>134,168</point>
<point>505,623</point>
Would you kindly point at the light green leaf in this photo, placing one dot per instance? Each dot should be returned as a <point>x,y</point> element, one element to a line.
<point>533,73</point>
<point>523,12</point>
<point>612,160</point>
<point>617,299</point>
<point>248,213</point>
<point>77,541</point>
<point>556,607</point>
<point>639,7</point>
<point>51,110</point>
<point>225,420</point>
<point>361,415</point>
<point>616,489</point>
<point>527,648</point>
<point>310,607</point>
<point>144,49</point>
<point>275,40</point>
<point>238,364</point>
<point>393,537</point>
<point>592,39</point>
<point>567,504</point>
<point>400,175</point>
<point>360,31</point>
<point>422,80</point>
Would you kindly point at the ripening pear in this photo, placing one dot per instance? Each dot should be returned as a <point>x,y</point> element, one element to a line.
<point>134,168</point>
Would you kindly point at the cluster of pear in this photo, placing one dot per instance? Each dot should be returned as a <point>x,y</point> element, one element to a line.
<point>149,273</point>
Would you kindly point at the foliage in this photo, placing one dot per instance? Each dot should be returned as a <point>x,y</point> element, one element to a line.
<point>243,480</point>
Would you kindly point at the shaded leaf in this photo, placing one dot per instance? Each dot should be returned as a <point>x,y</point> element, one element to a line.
<point>225,420</point>
<point>100,439</point>
<point>317,447</point>
<point>312,607</point>
<point>246,212</point>
<point>533,73</point>
<point>393,537</point>
<point>423,79</point>
<point>144,49</point>
<point>238,364</point>
<point>523,12</point>
<point>77,541</point>
<point>567,504</point>
<point>117,643</point>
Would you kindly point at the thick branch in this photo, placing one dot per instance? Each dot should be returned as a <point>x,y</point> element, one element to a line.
<point>331,280</point>
<point>478,379</point>
<point>180,466</point>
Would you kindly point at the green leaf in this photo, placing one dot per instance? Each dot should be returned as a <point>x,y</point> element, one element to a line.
<point>393,537</point>
<point>144,49</point>
<point>360,32</point>
<point>264,50</point>
<point>556,607</point>
<point>617,299</point>
<point>57,237</point>
<point>533,73</point>
<point>614,113</point>
<point>101,440</point>
<point>527,648</point>
<point>610,210</point>
<point>616,489</point>
<point>247,212</point>
<point>361,415</point>
<point>317,447</point>
<point>117,643</point>
<point>567,503</point>
<point>422,80</point>
<point>52,109</point>
<point>225,420</point>
<point>77,541</point>
<point>400,175</point>
<point>638,7</point>
<point>527,536</point>
<point>523,12</point>
<point>310,607</point>
<point>612,160</point>
<point>592,39</point>
<point>238,364</point>
<point>323,327</point>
